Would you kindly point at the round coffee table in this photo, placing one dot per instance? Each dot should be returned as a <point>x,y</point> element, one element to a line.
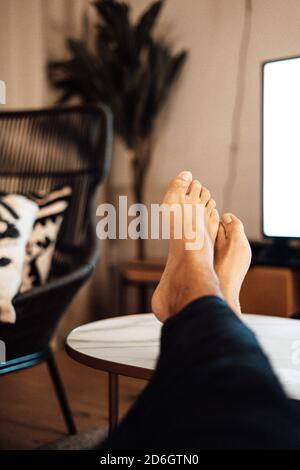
<point>129,346</point>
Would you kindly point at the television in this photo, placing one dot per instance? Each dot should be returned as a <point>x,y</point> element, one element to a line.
<point>281,149</point>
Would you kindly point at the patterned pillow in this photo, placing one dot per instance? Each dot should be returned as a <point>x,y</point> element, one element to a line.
<point>17,216</point>
<point>40,248</point>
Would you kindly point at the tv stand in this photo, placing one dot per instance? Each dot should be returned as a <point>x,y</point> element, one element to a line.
<point>278,253</point>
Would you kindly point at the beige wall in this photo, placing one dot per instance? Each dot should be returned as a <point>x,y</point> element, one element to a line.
<point>31,31</point>
<point>21,52</point>
<point>197,132</point>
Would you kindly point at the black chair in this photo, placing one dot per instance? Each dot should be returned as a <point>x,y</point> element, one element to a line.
<point>48,149</point>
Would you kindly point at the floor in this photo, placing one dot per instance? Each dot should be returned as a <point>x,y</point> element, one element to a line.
<point>29,412</point>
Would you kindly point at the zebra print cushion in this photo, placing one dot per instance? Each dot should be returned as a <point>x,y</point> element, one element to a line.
<point>40,248</point>
<point>17,216</point>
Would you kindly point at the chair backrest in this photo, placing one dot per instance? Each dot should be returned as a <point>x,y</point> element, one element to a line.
<point>51,148</point>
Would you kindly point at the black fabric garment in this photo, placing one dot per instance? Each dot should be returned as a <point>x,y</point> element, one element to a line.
<point>213,388</point>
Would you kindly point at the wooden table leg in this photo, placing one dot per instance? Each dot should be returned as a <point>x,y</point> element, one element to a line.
<point>143,300</point>
<point>113,401</point>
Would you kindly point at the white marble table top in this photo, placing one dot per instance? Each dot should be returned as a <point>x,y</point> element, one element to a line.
<point>129,345</point>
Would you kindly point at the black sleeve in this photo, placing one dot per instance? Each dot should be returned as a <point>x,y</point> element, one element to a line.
<point>213,388</point>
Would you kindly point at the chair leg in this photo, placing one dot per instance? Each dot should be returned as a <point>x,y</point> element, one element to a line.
<point>61,394</point>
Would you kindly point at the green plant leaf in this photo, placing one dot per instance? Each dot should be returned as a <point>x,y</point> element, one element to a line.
<point>127,69</point>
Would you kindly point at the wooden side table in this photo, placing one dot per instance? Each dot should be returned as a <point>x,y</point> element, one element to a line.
<point>144,276</point>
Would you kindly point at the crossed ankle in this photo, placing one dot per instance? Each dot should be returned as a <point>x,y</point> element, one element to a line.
<point>233,299</point>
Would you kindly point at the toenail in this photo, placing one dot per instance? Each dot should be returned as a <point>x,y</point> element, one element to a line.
<point>227,219</point>
<point>186,175</point>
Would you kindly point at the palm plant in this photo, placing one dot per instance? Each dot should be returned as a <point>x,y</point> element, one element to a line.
<point>128,70</point>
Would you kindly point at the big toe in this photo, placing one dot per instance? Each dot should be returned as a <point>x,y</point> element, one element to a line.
<point>179,186</point>
<point>232,226</point>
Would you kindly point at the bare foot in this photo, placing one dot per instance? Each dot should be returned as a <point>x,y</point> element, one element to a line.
<point>232,258</point>
<point>189,274</point>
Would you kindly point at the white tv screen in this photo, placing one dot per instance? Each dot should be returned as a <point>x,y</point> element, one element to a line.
<point>281,148</point>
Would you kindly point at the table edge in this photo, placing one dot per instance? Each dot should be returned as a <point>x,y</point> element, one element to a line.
<point>103,365</point>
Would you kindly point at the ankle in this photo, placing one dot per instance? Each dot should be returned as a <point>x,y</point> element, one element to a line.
<point>196,285</point>
<point>232,298</point>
